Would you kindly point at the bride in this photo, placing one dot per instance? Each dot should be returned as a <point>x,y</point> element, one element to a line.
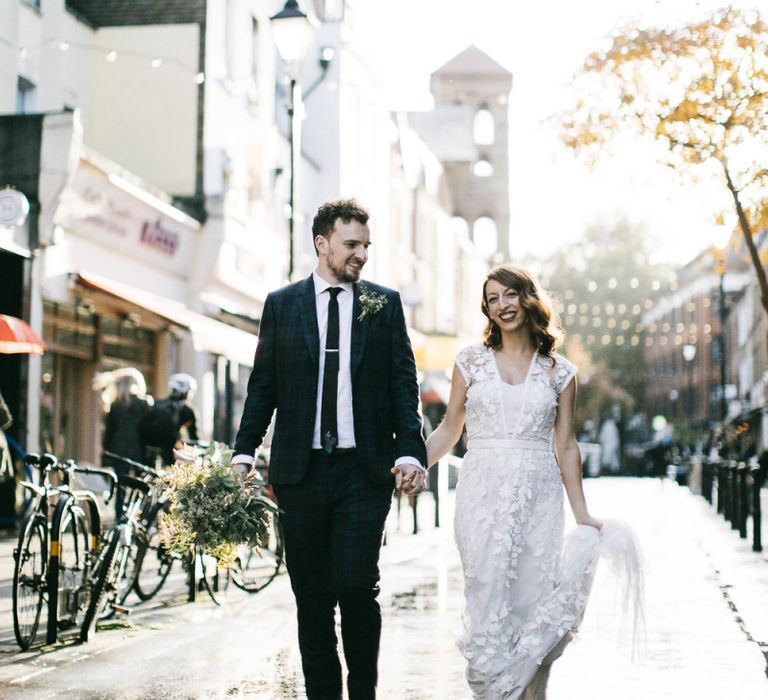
<point>525,590</point>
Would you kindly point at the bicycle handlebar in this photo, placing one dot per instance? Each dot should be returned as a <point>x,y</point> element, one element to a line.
<point>131,463</point>
<point>44,461</point>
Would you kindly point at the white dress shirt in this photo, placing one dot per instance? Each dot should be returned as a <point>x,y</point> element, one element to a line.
<point>345,422</point>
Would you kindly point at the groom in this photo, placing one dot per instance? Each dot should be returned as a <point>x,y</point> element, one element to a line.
<point>334,360</point>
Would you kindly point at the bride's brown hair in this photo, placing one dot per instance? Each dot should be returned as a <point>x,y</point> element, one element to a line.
<point>542,319</point>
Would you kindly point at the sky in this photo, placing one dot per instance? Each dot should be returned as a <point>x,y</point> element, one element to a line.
<point>554,197</point>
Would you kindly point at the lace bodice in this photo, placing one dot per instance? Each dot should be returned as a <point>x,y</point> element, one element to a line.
<point>486,415</point>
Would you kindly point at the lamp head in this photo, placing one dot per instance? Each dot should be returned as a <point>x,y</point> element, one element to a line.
<point>293,32</point>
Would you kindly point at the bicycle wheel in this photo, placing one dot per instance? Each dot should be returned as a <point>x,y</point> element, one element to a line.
<point>70,571</point>
<point>154,562</point>
<point>127,566</point>
<point>256,567</point>
<point>29,581</point>
<point>102,584</point>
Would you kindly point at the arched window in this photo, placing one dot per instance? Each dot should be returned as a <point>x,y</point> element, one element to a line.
<point>482,168</point>
<point>484,128</point>
<point>485,236</point>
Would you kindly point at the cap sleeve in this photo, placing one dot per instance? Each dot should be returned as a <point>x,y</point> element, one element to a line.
<point>565,371</point>
<point>463,362</point>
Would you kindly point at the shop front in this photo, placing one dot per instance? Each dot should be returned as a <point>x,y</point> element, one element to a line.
<point>116,294</point>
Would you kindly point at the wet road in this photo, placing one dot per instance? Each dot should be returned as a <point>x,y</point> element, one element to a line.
<point>706,597</point>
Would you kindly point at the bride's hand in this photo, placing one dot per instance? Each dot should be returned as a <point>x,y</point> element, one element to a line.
<point>592,522</point>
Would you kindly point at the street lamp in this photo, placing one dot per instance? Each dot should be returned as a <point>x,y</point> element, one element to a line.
<point>293,32</point>
<point>689,355</point>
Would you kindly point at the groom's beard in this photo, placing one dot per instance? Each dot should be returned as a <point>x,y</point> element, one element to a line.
<point>346,272</point>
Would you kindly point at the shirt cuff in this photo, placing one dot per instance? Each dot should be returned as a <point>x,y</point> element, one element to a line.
<point>409,460</point>
<point>243,459</point>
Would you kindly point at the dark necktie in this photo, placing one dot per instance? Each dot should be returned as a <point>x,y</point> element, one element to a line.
<point>329,435</point>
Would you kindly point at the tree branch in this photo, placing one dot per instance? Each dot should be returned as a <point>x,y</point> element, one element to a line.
<point>748,239</point>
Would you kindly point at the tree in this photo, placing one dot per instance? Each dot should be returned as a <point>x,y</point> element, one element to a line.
<point>700,90</point>
<point>603,282</point>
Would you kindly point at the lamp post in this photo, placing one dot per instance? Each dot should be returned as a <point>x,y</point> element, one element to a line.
<point>689,355</point>
<point>720,268</point>
<point>293,32</point>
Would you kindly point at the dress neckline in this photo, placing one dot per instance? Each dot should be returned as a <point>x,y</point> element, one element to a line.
<point>498,371</point>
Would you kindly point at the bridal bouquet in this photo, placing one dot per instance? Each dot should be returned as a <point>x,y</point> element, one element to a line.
<point>211,507</point>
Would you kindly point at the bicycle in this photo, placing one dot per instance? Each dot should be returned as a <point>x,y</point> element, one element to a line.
<point>111,565</point>
<point>151,562</point>
<point>75,527</point>
<point>53,556</point>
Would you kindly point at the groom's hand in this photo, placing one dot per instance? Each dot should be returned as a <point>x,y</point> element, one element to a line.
<point>410,478</point>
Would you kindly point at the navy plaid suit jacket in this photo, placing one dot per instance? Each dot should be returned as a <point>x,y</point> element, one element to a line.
<point>284,378</point>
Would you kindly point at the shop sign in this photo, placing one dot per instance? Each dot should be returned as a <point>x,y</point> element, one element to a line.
<point>159,237</point>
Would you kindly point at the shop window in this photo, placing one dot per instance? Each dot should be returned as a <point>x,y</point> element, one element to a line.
<point>26,96</point>
<point>125,343</point>
<point>70,329</point>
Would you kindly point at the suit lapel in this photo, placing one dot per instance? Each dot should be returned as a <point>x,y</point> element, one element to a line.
<point>359,332</point>
<point>308,318</point>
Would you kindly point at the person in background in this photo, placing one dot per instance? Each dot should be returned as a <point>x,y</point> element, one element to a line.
<point>121,425</point>
<point>171,420</point>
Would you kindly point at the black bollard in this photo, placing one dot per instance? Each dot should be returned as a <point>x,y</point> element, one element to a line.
<point>742,471</point>
<point>757,510</point>
<point>706,480</point>
<point>733,493</point>
<point>721,488</point>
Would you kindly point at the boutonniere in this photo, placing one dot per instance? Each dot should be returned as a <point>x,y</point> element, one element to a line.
<point>371,302</point>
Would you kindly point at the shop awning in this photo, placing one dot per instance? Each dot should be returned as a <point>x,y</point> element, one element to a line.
<point>208,335</point>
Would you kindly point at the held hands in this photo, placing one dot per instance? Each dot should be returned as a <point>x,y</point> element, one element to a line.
<point>410,479</point>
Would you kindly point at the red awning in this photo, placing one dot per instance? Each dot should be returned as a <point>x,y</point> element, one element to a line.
<point>16,337</point>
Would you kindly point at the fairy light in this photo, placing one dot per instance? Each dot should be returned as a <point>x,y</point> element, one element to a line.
<point>156,62</point>
<point>111,56</point>
<point>64,45</point>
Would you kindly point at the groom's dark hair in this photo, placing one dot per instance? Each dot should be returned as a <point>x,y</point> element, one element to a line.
<point>345,209</point>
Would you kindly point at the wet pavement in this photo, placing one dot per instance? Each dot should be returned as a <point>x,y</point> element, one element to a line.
<point>707,621</point>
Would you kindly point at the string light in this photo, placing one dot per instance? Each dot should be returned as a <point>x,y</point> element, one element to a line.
<point>109,55</point>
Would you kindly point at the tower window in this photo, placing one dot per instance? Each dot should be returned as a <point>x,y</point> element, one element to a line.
<point>484,128</point>
<point>482,168</point>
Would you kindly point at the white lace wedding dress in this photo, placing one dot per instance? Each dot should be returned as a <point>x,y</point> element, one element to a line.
<point>525,589</point>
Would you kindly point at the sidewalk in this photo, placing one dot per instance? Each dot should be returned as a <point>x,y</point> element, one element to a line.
<point>707,596</point>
